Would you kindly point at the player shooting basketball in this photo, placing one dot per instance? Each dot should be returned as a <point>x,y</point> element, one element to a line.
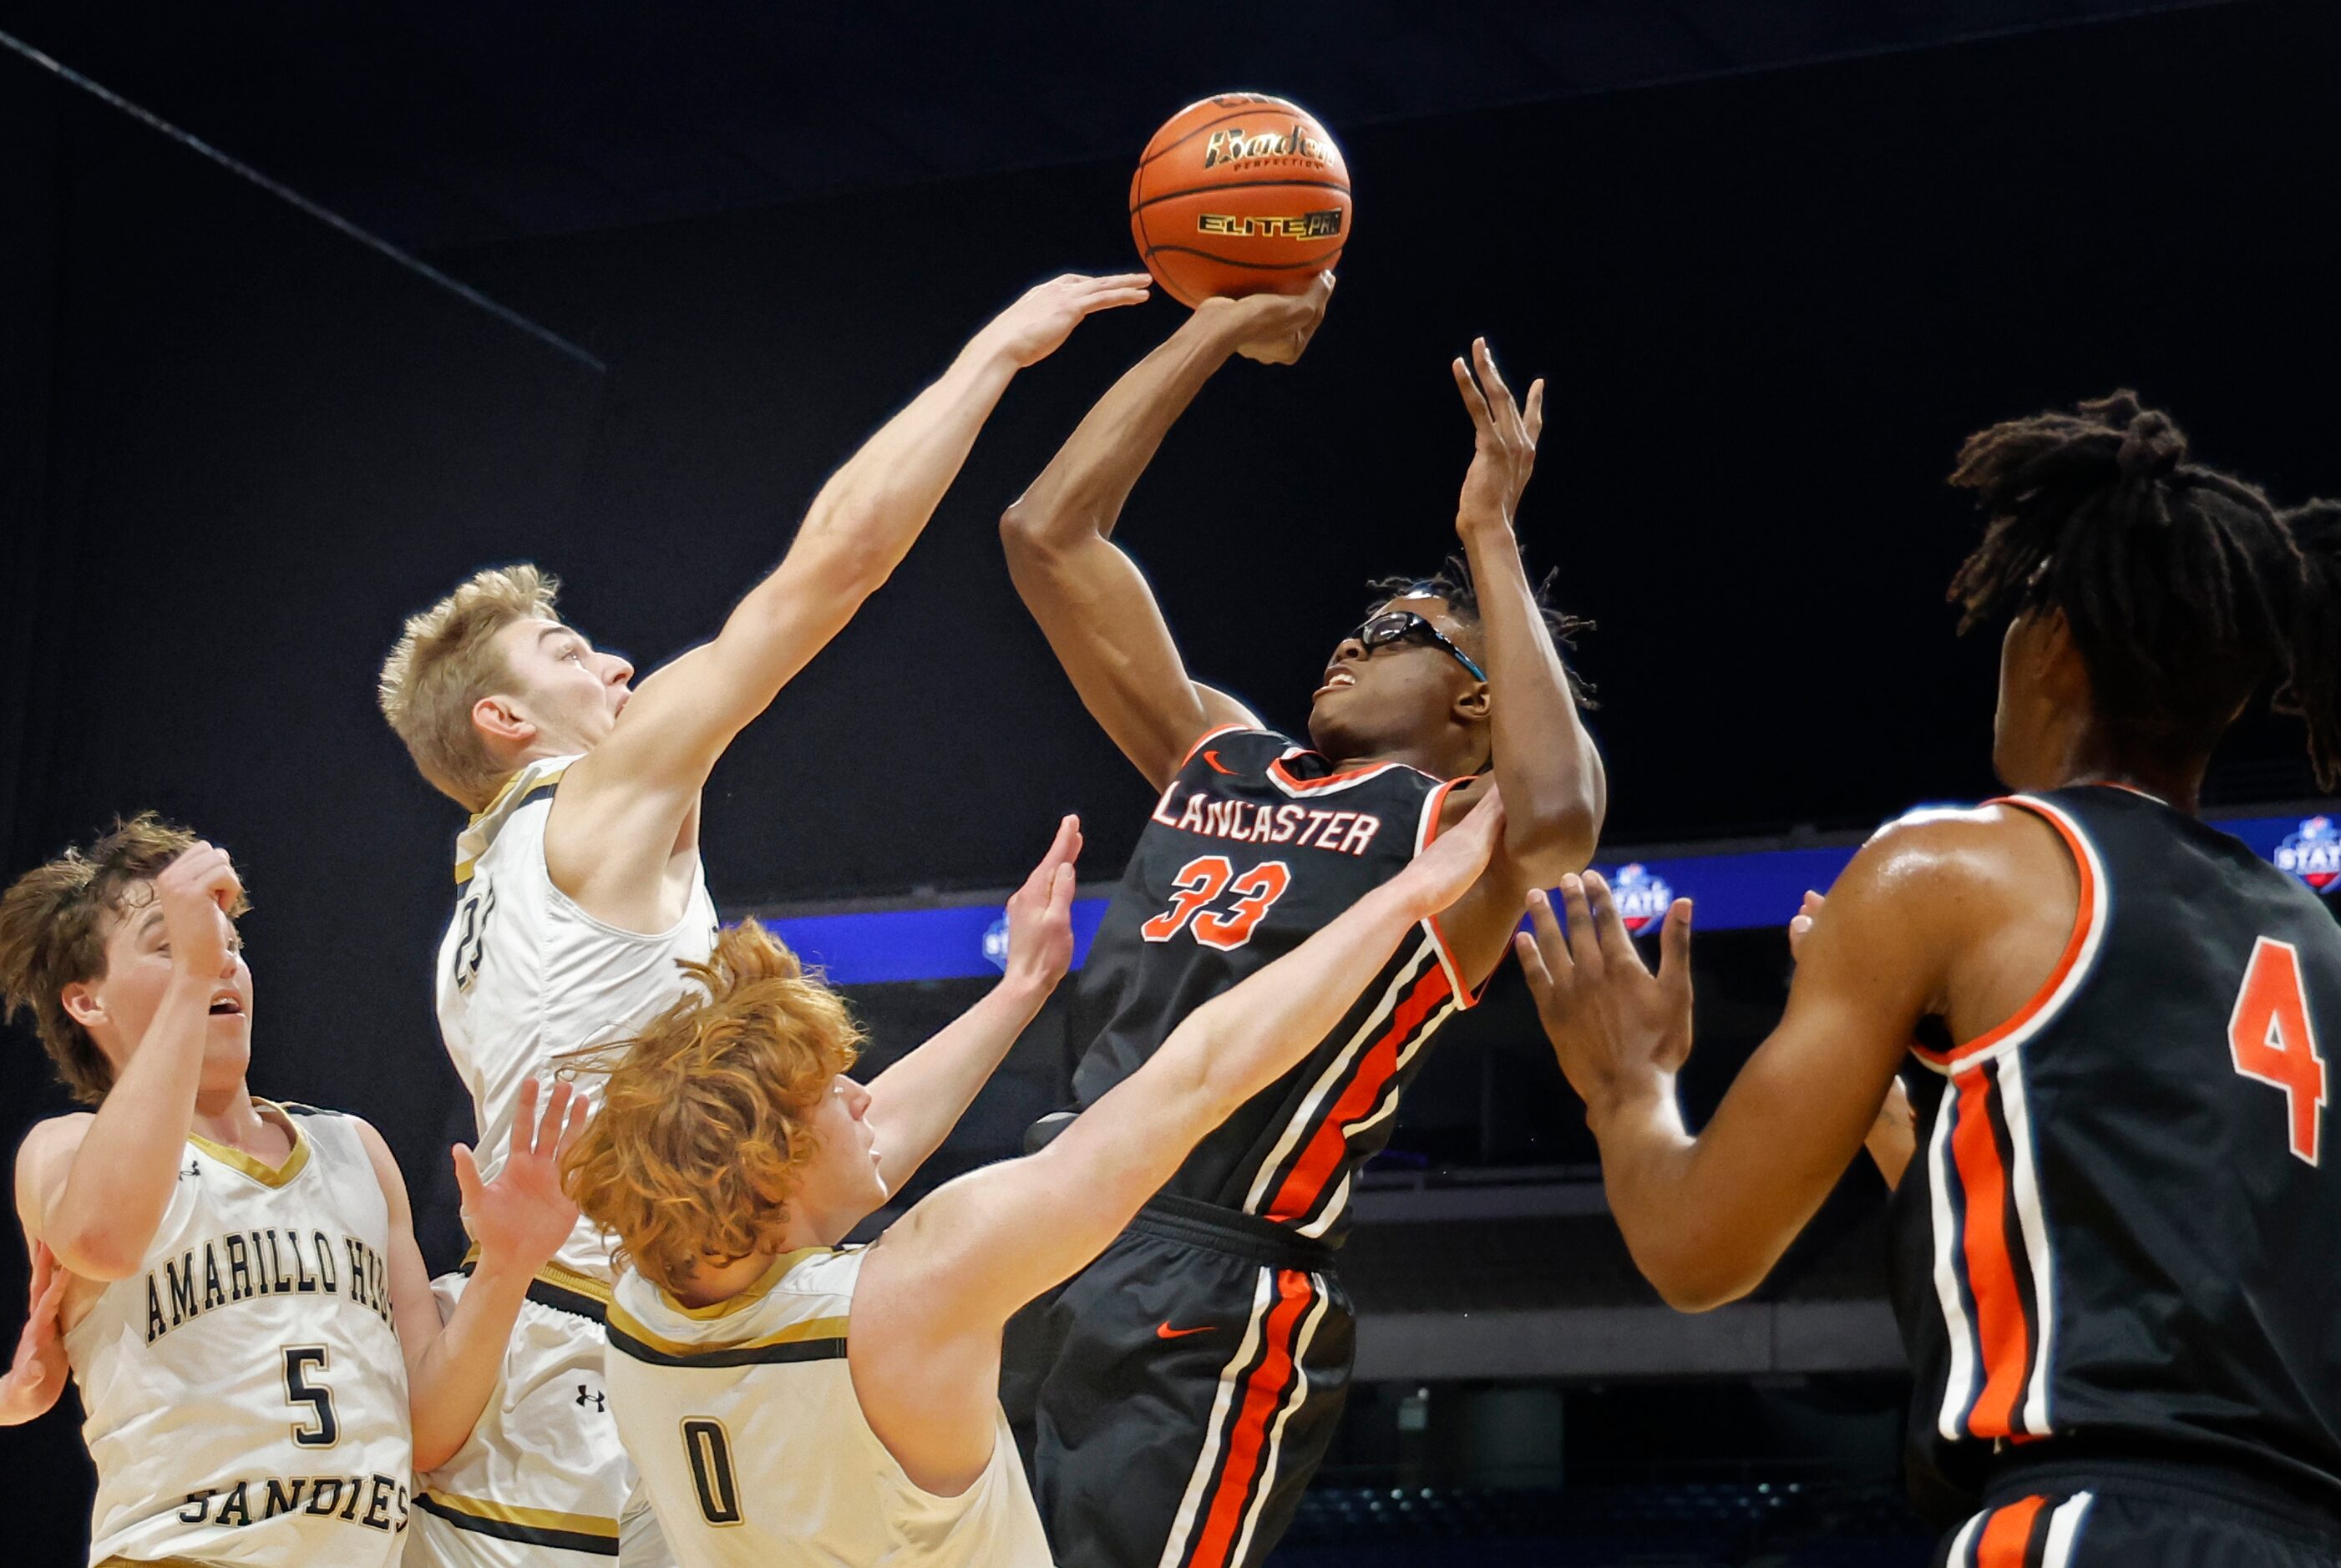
<point>1174,1399</point>
<point>2112,1250</point>
<point>579,891</point>
<point>794,1403</point>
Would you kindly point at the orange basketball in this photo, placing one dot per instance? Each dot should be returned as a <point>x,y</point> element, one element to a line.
<point>1240,194</point>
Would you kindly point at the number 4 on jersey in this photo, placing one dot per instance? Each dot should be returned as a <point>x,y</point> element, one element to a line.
<point>2273,1042</point>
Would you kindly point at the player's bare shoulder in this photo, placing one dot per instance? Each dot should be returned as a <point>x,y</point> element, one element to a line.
<point>42,1159</point>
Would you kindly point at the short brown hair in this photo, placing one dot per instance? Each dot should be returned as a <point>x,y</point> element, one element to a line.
<point>52,934</point>
<point>445,661</point>
<point>693,1153</point>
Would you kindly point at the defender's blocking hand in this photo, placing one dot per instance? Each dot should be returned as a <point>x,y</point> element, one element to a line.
<point>520,1218</point>
<point>1614,1024</point>
<point>1041,914</point>
<point>1040,322</point>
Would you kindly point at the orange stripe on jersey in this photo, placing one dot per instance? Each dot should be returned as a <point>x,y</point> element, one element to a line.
<point>1206,738</point>
<point>2084,916</point>
<point>2002,1335</point>
<point>2008,1533</point>
<point>1264,1390</point>
<point>1321,1155</point>
<point>1346,776</point>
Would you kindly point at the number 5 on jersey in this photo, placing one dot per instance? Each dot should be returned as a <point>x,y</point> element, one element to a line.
<point>1204,879</point>
<point>2274,1042</point>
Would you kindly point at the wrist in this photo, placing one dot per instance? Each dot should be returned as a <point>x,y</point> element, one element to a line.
<point>1626,1098</point>
<point>496,1271</point>
<point>1025,990</point>
<point>1475,527</point>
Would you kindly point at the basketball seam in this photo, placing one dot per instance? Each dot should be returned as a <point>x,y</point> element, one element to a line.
<point>1238,186</point>
<point>1316,261</point>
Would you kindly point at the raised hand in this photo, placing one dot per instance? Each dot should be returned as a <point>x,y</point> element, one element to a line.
<point>37,1374</point>
<point>1275,329</point>
<point>1446,870</point>
<point>1044,316</point>
<point>1612,1023</point>
<point>198,891</point>
<point>1041,914</point>
<point>520,1218</point>
<point>1506,436</point>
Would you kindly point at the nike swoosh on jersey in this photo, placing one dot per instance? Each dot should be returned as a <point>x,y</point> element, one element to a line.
<point>1167,1332</point>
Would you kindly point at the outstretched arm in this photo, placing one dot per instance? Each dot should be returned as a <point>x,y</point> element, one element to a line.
<point>938,1284</point>
<point>95,1187</point>
<point>619,810</point>
<point>916,1103</point>
<point>1091,600</point>
<point>519,1220</point>
<point>1555,791</point>
<point>1706,1218</point>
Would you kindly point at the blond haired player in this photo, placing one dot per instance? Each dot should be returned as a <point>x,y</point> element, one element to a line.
<point>234,1284</point>
<point>579,888</point>
<point>791,1402</point>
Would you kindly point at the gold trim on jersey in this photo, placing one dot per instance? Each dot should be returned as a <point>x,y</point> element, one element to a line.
<point>153,1562</point>
<point>594,1289</point>
<point>622,1322</point>
<point>540,1521</point>
<point>265,1174</point>
<point>478,841</point>
<point>749,1297</point>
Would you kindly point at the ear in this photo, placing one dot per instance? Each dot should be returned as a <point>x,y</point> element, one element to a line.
<point>2064,674</point>
<point>500,718</point>
<point>80,1002</point>
<point>1471,703</point>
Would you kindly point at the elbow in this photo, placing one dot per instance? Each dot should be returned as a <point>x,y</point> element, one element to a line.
<point>438,1451</point>
<point>1024,531</point>
<point>98,1252</point>
<point>1554,839</point>
<point>1694,1281</point>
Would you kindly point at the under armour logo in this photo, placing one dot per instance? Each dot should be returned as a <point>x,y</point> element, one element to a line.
<point>193,1169</point>
<point>584,1392</point>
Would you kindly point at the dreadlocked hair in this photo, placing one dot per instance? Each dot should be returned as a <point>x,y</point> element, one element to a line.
<point>2312,687</point>
<point>1452,583</point>
<point>703,1126</point>
<point>2183,589</point>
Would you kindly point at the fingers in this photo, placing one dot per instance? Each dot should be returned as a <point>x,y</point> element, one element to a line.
<point>1067,844</point>
<point>1534,418</point>
<point>1474,402</point>
<point>1539,979</point>
<point>1060,896</point>
<point>1584,944</point>
<point>1111,299</point>
<point>573,1127</point>
<point>1609,925</point>
<point>556,1114</point>
<point>467,1176</point>
<point>45,1267</point>
<point>523,1127</point>
<point>1674,944</point>
<point>1499,396</point>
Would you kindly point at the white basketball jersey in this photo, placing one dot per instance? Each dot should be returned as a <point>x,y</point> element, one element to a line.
<point>526,975</point>
<point>742,1419</point>
<point>244,1395</point>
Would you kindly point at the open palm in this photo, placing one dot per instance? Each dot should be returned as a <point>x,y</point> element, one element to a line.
<point>521,1218</point>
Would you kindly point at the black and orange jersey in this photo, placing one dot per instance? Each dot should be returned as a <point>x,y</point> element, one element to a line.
<point>2120,1232</point>
<point>1256,845</point>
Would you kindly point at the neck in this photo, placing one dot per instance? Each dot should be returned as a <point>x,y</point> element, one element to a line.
<point>228,1116</point>
<point>2096,757</point>
<point>1439,758</point>
<point>713,1282</point>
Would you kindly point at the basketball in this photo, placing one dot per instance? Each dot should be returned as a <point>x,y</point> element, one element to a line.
<point>1240,193</point>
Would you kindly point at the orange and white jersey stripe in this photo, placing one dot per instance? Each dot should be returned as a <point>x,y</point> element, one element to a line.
<point>1995,1268</point>
<point>2037,1531</point>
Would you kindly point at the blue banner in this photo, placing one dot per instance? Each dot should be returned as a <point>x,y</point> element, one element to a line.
<point>1734,890</point>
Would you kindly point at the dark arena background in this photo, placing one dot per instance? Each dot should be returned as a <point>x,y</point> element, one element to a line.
<point>306,310</point>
